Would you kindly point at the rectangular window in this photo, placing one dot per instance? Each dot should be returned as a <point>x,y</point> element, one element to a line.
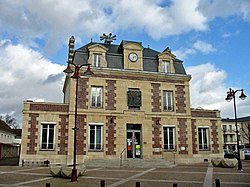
<point>48,136</point>
<point>134,98</point>
<point>168,101</point>
<point>169,138</point>
<point>224,128</point>
<point>230,128</point>
<point>203,138</point>
<point>166,67</point>
<point>96,97</point>
<point>225,138</point>
<point>95,137</point>
<point>97,60</point>
<point>231,138</point>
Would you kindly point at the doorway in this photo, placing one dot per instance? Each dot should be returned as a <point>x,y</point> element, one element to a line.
<point>134,141</point>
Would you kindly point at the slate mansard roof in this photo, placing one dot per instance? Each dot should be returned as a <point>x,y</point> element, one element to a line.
<point>114,57</point>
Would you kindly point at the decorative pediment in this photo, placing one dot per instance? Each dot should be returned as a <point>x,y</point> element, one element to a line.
<point>97,48</point>
<point>166,54</point>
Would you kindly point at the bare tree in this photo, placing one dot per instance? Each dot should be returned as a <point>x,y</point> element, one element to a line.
<point>246,131</point>
<point>11,121</point>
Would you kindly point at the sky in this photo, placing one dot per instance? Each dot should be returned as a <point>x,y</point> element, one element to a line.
<point>212,37</point>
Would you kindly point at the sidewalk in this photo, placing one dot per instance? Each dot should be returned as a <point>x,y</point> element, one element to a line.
<point>182,175</point>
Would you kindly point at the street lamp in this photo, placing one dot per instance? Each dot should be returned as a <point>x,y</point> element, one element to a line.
<point>76,76</point>
<point>231,95</point>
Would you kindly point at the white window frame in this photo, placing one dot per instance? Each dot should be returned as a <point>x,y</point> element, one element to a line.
<point>166,66</point>
<point>102,146</point>
<point>97,59</point>
<point>202,138</point>
<point>41,139</point>
<point>95,97</point>
<point>167,94</point>
<point>174,137</point>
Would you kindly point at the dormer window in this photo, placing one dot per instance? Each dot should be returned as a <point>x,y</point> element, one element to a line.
<point>97,60</point>
<point>165,66</point>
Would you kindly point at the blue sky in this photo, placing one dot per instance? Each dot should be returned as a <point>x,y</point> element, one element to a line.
<point>212,37</point>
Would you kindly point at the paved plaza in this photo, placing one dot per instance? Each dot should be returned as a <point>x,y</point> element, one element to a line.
<point>200,175</point>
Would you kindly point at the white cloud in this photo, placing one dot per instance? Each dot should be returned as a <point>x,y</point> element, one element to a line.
<point>225,8</point>
<point>56,20</point>
<point>230,34</point>
<point>208,90</point>
<point>203,47</point>
<point>206,86</point>
<point>25,74</point>
<point>198,46</point>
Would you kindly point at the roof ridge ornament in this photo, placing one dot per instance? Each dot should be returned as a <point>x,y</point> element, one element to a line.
<point>108,39</point>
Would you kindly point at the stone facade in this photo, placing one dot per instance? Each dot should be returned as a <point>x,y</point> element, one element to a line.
<point>158,125</point>
<point>229,133</point>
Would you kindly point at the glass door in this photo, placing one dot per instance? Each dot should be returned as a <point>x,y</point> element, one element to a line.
<point>133,141</point>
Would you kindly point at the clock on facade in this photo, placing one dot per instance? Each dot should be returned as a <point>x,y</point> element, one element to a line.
<point>133,57</point>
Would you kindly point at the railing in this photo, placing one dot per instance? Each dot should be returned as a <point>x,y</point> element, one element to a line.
<point>121,156</point>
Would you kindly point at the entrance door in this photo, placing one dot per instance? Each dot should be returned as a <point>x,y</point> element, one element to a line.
<point>133,141</point>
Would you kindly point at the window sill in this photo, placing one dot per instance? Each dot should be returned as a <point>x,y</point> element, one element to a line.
<point>95,150</point>
<point>204,150</point>
<point>168,110</point>
<point>169,150</point>
<point>95,107</point>
<point>47,149</point>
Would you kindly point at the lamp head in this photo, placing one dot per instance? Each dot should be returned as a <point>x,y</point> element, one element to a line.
<point>68,70</point>
<point>242,95</point>
<point>88,72</point>
<point>76,73</point>
<point>230,96</point>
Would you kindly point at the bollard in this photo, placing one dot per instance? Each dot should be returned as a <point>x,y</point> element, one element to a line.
<point>137,184</point>
<point>174,185</point>
<point>217,182</point>
<point>102,183</point>
<point>47,185</point>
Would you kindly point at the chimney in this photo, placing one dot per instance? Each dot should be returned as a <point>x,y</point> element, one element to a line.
<point>71,49</point>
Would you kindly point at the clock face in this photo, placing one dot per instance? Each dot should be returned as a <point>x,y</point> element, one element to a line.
<point>133,57</point>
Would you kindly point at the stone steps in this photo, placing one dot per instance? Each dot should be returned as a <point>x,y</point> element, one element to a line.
<point>133,163</point>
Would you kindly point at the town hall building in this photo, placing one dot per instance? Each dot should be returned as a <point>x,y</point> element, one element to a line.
<point>135,105</point>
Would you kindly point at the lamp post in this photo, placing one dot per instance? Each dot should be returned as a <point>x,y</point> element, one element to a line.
<point>231,95</point>
<point>76,76</point>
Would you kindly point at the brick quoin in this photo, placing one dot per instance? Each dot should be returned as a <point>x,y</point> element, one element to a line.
<point>110,135</point>
<point>194,136</point>
<point>63,135</point>
<point>110,95</point>
<point>180,98</point>
<point>49,107</point>
<point>32,137</point>
<point>182,135</point>
<point>156,132</point>
<point>81,135</point>
<point>82,97</point>
<point>214,134</point>
<point>156,97</point>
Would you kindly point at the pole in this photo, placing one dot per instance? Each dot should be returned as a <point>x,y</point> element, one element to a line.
<point>237,134</point>
<point>74,170</point>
